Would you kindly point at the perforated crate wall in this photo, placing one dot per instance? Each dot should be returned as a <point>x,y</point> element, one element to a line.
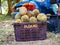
<point>33,33</point>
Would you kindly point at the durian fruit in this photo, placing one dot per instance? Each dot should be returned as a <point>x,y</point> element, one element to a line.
<point>22,10</point>
<point>25,18</point>
<point>30,14</point>
<point>36,12</point>
<point>42,17</point>
<point>33,19</point>
<point>18,21</point>
<point>17,16</point>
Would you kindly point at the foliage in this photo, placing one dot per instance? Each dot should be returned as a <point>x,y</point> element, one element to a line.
<point>2,1</point>
<point>5,17</point>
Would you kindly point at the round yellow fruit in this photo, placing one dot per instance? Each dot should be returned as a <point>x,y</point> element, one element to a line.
<point>36,12</point>
<point>33,19</point>
<point>30,14</point>
<point>18,20</point>
<point>22,10</point>
<point>17,16</point>
<point>25,18</point>
<point>42,17</point>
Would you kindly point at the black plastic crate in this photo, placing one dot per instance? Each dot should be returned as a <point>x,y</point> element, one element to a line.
<point>52,24</point>
<point>58,23</point>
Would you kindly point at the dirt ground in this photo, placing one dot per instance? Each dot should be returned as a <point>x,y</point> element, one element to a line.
<point>48,41</point>
<point>52,39</point>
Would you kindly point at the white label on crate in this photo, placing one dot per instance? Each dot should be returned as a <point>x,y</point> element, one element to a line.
<point>30,26</point>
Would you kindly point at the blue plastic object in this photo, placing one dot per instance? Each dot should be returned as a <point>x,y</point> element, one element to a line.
<point>43,6</point>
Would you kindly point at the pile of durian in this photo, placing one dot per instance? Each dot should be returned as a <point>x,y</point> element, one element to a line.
<point>30,16</point>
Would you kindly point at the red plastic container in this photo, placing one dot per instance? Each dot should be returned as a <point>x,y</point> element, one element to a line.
<point>36,31</point>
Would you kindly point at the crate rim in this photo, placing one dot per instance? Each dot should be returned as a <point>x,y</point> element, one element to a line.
<point>23,23</point>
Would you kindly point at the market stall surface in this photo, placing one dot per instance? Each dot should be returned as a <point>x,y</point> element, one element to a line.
<point>7,36</point>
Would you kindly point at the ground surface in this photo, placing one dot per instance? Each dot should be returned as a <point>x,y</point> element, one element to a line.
<point>7,36</point>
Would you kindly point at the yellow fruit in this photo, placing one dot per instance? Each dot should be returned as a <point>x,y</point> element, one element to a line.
<point>33,19</point>
<point>42,17</point>
<point>36,12</point>
<point>23,10</point>
<point>18,20</point>
<point>30,14</point>
<point>25,18</point>
<point>17,16</point>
